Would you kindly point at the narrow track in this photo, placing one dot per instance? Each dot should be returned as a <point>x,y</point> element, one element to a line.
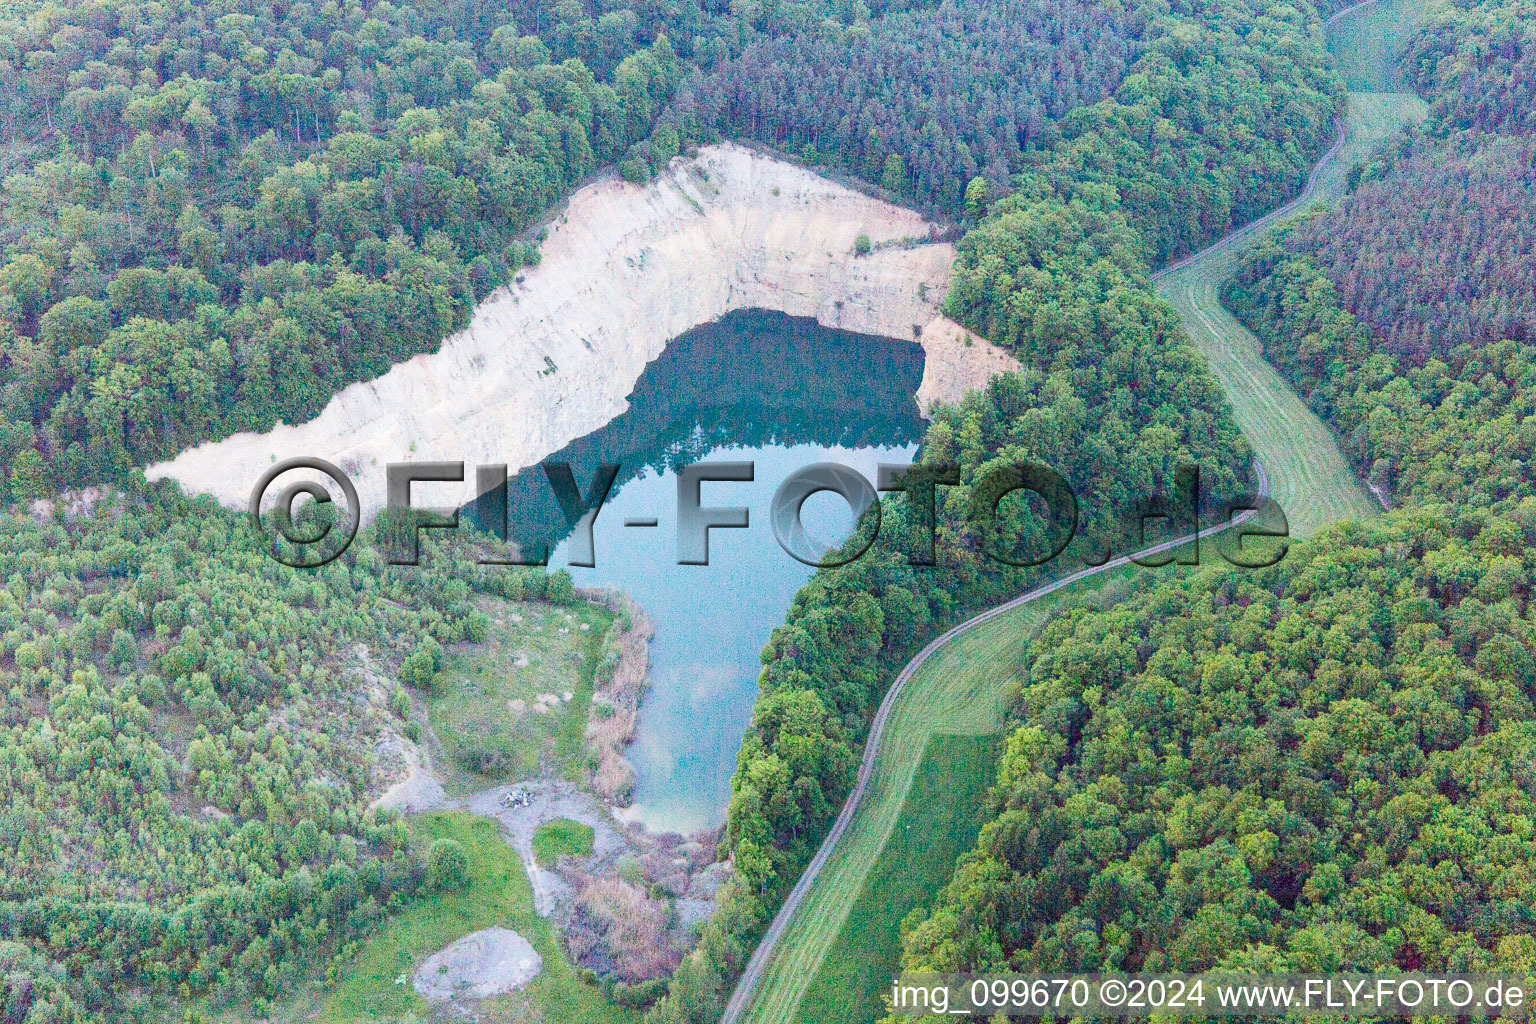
<point>1279,213</point>
<point>747,985</point>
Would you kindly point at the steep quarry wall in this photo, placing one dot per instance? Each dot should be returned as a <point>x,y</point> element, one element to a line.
<point>625,269</point>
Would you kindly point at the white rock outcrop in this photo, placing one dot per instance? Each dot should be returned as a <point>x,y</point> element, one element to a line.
<point>625,269</point>
<point>481,965</point>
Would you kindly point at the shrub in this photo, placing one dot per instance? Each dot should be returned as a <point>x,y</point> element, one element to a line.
<point>422,664</point>
<point>640,995</point>
<point>560,589</point>
<point>447,865</point>
<point>486,755</point>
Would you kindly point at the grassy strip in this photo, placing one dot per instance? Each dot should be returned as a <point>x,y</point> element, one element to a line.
<point>939,821</point>
<point>1366,42</point>
<point>571,735</point>
<point>1308,474</point>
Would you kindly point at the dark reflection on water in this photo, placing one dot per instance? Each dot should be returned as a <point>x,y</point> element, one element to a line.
<point>754,386</point>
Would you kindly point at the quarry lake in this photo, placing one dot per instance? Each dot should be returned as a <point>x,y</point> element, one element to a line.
<point>759,386</point>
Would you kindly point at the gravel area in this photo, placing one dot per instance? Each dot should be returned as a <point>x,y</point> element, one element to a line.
<point>481,965</point>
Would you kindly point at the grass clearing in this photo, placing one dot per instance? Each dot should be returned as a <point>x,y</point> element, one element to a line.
<point>561,838</point>
<point>1372,119</point>
<point>517,704</point>
<point>1308,475</point>
<point>498,894</point>
<point>1365,45</point>
<point>939,821</point>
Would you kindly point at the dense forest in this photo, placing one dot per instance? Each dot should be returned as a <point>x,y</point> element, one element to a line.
<point>1113,396</point>
<point>1476,60</point>
<point>921,102</point>
<point>1312,768</point>
<point>1407,314</point>
<point>1317,767</point>
<point>1435,248</point>
<point>1456,427</point>
<point>184,750</point>
<point>216,217</point>
<point>1193,119</point>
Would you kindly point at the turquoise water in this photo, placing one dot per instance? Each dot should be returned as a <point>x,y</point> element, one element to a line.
<point>759,387</point>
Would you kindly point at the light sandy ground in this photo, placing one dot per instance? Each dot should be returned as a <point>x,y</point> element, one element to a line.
<point>548,800</point>
<point>481,965</point>
<point>624,270</point>
<point>414,786</point>
<point>76,504</point>
<point>419,790</point>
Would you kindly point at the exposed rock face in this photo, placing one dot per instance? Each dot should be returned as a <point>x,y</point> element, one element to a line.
<point>481,965</point>
<point>625,269</point>
<point>956,361</point>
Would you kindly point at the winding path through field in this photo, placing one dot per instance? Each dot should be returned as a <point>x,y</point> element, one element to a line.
<point>1297,461</point>
<point>1312,480</point>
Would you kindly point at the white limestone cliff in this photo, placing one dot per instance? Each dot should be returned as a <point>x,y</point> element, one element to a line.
<point>625,269</point>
